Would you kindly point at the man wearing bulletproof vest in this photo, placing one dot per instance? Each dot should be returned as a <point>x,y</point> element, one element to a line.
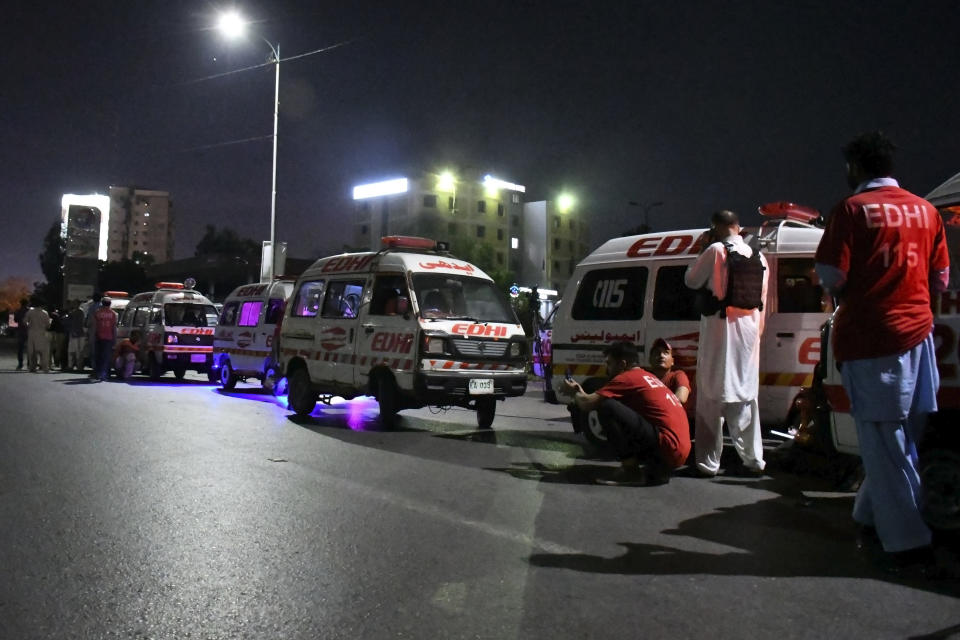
<point>728,356</point>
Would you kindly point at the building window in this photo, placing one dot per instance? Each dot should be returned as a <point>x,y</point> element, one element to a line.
<point>450,202</point>
<point>499,234</point>
<point>556,244</point>
<point>556,222</point>
<point>515,198</point>
<point>514,243</point>
<point>500,210</point>
<point>499,258</point>
<point>556,266</point>
<point>514,221</point>
<point>481,231</point>
<point>482,206</point>
<point>430,201</point>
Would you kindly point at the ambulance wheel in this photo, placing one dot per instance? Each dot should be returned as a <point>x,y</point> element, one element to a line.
<point>179,371</point>
<point>486,410</point>
<point>302,398</point>
<point>387,397</point>
<point>228,379</point>
<point>213,376</point>
<point>155,369</point>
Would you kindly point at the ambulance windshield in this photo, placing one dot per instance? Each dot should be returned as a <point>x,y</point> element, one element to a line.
<point>189,315</point>
<point>449,297</point>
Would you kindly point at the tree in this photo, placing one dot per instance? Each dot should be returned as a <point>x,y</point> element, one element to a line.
<point>12,291</point>
<point>226,242</point>
<point>124,275</point>
<point>51,263</point>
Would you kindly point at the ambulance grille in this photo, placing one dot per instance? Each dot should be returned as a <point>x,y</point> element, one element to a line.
<point>481,348</point>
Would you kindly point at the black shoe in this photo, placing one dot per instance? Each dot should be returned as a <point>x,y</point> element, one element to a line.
<point>743,471</point>
<point>624,477</point>
<point>693,471</point>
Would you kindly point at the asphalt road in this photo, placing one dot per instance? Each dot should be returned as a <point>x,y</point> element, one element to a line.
<point>172,510</point>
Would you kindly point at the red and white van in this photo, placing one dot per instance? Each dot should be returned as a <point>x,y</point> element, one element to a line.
<point>410,325</point>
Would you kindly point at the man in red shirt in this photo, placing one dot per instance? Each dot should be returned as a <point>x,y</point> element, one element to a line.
<point>881,252</point>
<point>105,330</point>
<point>661,365</point>
<point>643,419</point>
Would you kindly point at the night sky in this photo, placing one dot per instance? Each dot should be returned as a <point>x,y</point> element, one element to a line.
<point>699,105</point>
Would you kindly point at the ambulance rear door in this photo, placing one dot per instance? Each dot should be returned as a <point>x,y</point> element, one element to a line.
<point>790,346</point>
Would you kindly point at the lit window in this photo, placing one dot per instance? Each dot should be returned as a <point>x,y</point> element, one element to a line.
<point>515,198</point>
<point>146,214</point>
<point>514,243</point>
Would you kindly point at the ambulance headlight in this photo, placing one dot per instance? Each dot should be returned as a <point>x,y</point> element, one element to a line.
<point>516,349</point>
<point>434,345</point>
<point>172,338</point>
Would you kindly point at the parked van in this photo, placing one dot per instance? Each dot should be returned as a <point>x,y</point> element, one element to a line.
<point>940,450</point>
<point>244,338</point>
<point>176,325</point>
<point>633,289</point>
<point>410,325</point>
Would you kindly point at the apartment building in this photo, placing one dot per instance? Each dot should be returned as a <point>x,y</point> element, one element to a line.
<point>141,220</point>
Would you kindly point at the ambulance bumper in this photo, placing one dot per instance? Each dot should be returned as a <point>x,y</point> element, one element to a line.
<point>435,387</point>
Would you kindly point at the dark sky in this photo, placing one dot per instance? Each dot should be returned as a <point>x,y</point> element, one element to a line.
<point>700,105</point>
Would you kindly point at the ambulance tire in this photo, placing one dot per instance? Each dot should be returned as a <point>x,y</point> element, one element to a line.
<point>486,411</point>
<point>228,379</point>
<point>154,368</point>
<point>302,398</point>
<point>179,371</point>
<point>388,399</point>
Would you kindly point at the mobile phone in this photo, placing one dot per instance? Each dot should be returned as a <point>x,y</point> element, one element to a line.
<point>567,376</point>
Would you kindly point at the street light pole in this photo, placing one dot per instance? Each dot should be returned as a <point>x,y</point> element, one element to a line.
<point>273,190</point>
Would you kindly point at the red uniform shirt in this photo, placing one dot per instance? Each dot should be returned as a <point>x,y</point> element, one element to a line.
<point>106,323</point>
<point>644,393</point>
<point>889,242</point>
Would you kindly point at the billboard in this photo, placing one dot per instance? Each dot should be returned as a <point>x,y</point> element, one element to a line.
<point>85,220</point>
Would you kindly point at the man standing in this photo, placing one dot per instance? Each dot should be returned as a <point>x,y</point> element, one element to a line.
<point>105,323</point>
<point>643,420</point>
<point>728,354</point>
<point>92,308</point>
<point>19,316</point>
<point>882,250</point>
<point>38,343</point>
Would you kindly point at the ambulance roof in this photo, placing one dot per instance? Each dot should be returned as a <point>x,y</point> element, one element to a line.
<point>394,260</point>
<point>947,194</point>
<point>164,296</point>
<point>282,286</point>
<point>776,236</point>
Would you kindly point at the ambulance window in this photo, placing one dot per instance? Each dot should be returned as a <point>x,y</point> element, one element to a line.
<point>126,315</point>
<point>798,288</point>
<point>306,304</point>
<point>229,315</point>
<point>343,299</point>
<point>274,311</point>
<point>672,299</point>
<point>140,316</point>
<point>250,313</point>
<point>611,294</point>
<point>387,291</point>
<point>156,315</point>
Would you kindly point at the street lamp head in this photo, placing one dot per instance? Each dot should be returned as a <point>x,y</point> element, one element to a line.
<point>231,24</point>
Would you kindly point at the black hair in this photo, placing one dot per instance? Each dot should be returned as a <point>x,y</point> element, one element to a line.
<point>873,152</point>
<point>724,217</point>
<point>626,351</point>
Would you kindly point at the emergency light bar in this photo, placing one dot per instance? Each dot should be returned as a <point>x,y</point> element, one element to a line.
<point>116,294</point>
<point>407,242</point>
<point>789,211</point>
<point>169,285</point>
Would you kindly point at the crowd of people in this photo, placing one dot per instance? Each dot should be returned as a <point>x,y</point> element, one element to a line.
<point>50,338</point>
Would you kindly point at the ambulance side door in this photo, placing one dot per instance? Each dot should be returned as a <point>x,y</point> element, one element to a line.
<point>790,345</point>
<point>337,328</point>
<point>298,336</point>
<point>387,331</point>
<point>674,317</point>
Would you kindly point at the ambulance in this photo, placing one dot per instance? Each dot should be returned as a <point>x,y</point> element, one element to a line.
<point>940,450</point>
<point>176,325</point>
<point>410,325</point>
<point>244,338</point>
<point>632,289</point>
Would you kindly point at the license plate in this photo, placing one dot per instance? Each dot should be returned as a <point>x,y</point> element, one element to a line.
<point>198,357</point>
<point>480,386</point>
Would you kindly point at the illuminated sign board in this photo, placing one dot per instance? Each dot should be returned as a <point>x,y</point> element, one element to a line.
<point>375,189</point>
<point>490,181</point>
<point>77,213</point>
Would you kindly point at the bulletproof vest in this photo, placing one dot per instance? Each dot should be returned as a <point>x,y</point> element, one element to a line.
<point>744,281</point>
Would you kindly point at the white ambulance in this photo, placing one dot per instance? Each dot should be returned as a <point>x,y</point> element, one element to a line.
<point>410,325</point>
<point>633,289</point>
<point>244,338</point>
<point>940,449</point>
<point>176,325</point>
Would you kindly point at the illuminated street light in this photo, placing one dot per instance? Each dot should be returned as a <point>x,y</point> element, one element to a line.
<point>232,25</point>
<point>565,202</point>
